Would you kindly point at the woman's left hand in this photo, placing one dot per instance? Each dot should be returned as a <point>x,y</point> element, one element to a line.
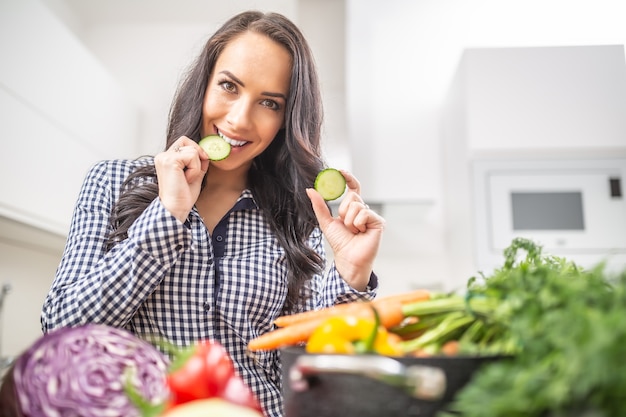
<point>354,234</point>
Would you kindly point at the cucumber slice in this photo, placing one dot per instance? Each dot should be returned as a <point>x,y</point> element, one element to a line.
<point>216,147</point>
<point>330,184</point>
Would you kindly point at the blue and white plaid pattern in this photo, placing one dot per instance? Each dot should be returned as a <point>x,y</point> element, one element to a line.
<point>176,282</point>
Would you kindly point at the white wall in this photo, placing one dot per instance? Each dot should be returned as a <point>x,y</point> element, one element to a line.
<point>567,97</point>
<point>28,268</point>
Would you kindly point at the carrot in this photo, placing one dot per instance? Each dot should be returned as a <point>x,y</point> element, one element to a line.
<point>406,297</point>
<point>389,311</point>
<point>285,336</point>
<point>339,309</point>
<point>450,348</point>
<point>352,308</point>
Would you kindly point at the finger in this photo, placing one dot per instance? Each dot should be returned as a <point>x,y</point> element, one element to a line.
<point>348,201</point>
<point>362,219</point>
<point>179,143</point>
<point>367,219</point>
<point>184,156</point>
<point>353,213</point>
<point>184,143</point>
<point>351,181</point>
<point>195,167</point>
<point>321,210</point>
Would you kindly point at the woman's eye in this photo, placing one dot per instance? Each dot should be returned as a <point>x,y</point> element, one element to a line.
<point>229,86</point>
<point>271,104</point>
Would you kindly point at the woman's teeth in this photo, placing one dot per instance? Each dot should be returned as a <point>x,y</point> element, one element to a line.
<point>232,142</point>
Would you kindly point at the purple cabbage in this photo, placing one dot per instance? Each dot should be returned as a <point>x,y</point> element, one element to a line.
<point>84,372</point>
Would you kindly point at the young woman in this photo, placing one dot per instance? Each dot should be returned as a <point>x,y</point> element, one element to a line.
<point>181,248</point>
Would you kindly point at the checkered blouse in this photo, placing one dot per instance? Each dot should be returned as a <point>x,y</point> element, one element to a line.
<point>179,282</point>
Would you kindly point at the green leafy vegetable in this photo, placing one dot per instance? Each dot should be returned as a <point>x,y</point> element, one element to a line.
<point>568,329</point>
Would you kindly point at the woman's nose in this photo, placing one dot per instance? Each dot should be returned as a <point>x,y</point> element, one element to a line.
<point>240,114</point>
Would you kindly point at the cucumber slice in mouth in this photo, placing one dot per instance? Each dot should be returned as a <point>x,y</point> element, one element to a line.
<point>330,184</point>
<point>216,147</point>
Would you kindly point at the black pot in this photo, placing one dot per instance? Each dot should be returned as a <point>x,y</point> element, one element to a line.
<point>318,385</point>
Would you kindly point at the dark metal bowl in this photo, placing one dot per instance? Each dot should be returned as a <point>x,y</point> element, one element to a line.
<point>317,385</point>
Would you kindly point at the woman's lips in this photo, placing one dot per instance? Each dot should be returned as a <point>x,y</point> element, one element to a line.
<point>232,142</point>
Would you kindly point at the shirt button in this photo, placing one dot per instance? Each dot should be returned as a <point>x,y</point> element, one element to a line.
<point>207,306</point>
<point>219,238</point>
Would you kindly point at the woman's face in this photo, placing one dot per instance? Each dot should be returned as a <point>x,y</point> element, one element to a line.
<point>246,97</point>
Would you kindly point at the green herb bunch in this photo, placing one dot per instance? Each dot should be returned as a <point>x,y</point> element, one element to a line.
<point>568,328</point>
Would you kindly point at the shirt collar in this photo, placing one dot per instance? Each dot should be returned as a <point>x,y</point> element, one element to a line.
<point>246,201</point>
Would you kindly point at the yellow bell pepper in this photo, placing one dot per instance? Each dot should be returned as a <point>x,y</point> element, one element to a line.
<point>349,335</point>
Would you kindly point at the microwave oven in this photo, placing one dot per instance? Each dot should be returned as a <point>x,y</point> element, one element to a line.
<point>574,208</point>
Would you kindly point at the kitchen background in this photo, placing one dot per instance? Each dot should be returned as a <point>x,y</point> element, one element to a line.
<point>84,80</point>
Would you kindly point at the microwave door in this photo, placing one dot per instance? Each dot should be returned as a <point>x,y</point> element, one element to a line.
<point>565,212</point>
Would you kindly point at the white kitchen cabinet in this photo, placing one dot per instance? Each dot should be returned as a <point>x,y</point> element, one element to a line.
<point>60,111</point>
<point>42,167</point>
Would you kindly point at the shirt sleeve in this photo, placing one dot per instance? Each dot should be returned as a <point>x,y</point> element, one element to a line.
<point>95,286</point>
<point>329,288</point>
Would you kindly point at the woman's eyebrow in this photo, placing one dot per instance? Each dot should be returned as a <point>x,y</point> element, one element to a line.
<point>231,75</point>
<point>241,83</point>
<point>277,95</point>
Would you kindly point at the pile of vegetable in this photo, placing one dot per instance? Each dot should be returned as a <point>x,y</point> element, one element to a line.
<point>96,371</point>
<point>567,329</point>
<point>561,330</point>
<point>381,314</point>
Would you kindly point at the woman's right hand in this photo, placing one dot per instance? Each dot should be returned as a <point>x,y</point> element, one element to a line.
<point>180,171</point>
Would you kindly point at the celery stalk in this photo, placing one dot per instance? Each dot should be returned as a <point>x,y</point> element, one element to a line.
<point>451,325</point>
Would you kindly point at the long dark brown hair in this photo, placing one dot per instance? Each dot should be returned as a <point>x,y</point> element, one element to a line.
<point>278,177</point>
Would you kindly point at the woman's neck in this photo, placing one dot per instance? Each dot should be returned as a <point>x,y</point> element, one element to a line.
<point>217,180</point>
<point>219,194</point>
